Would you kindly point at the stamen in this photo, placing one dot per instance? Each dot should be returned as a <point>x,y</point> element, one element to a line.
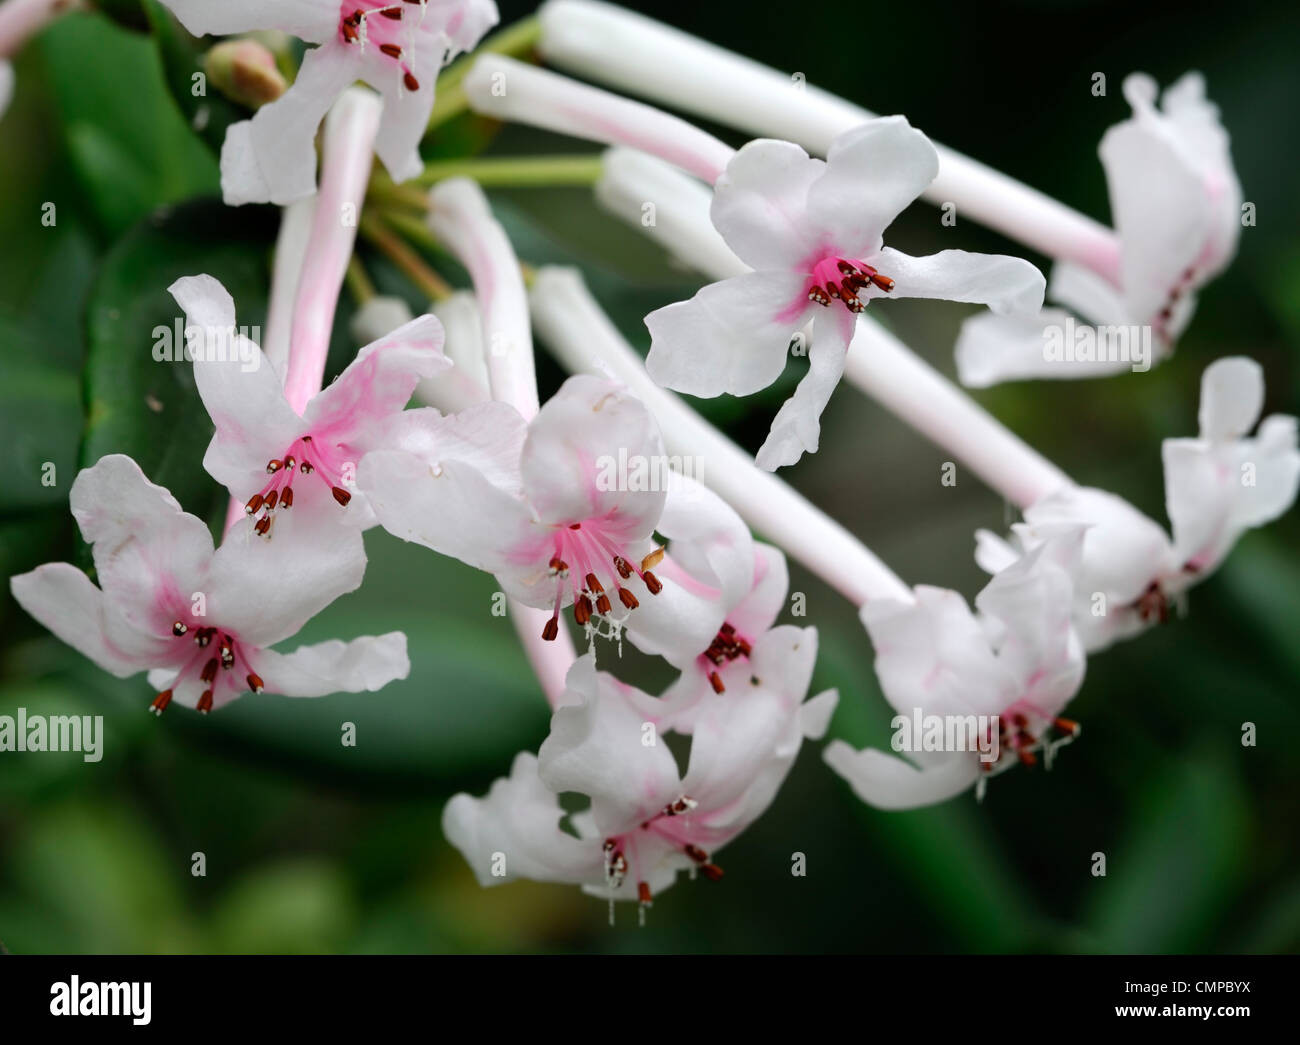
<point>253,506</point>
<point>652,582</point>
<point>254,682</point>
<point>286,498</point>
<point>209,671</point>
<point>160,702</point>
<point>179,628</point>
<point>627,599</point>
<point>410,82</point>
<point>341,495</point>
<point>273,466</point>
<point>653,559</point>
<point>550,630</point>
<point>205,702</point>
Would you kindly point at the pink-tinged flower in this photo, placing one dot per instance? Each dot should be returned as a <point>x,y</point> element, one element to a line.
<point>812,231</point>
<point>1176,203</point>
<point>541,506</point>
<point>726,663</point>
<point>263,452</point>
<point>201,620</point>
<point>6,86</point>
<point>396,46</point>
<point>646,822</point>
<point>1217,487</point>
<point>1002,675</point>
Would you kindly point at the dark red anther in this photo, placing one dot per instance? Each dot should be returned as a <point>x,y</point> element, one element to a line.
<point>341,495</point>
<point>255,504</point>
<point>582,610</point>
<point>883,282</point>
<point>696,853</point>
<point>254,681</point>
<point>209,671</point>
<point>410,82</point>
<point>1066,725</point>
<point>550,630</point>
<point>286,498</point>
<point>393,13</point>
<point>621,564</point>
<point>711,871</point>
<point>273,466</point>
<point>289,462</point>
<point>603,604</point>
<point>627,599</point>
<point>204,636</point>
<point>652,582</point>
<point>205,702</point>
<point>161,701</point>
<point>272,499</point>
<point>305,468</point>
<point>179,628</point>
<point>263,526</point>
<point>715,680</point>
<point>392,50</point>
<point>643,893</point>
<point>593,584</point>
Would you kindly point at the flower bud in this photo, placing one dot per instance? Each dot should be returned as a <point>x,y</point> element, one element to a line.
<point>245,71</point>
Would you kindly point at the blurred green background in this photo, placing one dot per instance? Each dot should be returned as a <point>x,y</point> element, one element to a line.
<point>311,846</point>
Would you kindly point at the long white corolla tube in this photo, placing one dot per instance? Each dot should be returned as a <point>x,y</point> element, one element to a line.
<point>636,54</point>
<point>581,336</point>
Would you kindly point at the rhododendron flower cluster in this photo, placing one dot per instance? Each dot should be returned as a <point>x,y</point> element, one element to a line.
<point>617,525</point>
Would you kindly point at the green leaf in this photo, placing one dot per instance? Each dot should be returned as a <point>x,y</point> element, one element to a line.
<point>208,114</point>
<point>139,405</point>
<point>128,145</point>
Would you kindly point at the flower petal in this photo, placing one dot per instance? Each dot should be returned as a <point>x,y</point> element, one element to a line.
<point>580,451</point>
<point>1232,398</point>
<point>1005,284</point>
<point>513,832</point>
<point>63,599</point>
<point>872,173</point>
<point>266,590</point>
<point>796,429</point>
<point>597,748</point>
<point>313,20</point>
<point>406,112</point>
<point>993,348</point>
<point>150,556</point>
<point>359,406</point>
<point>274,159</point>
<point>732,336</point>
<point>887,782</point>
<point>362,665</point>
<point>239,388</point>
<point>760,204</point>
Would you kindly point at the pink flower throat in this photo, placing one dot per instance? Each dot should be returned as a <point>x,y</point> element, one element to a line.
<point>278,492</point>
<point>379,25</point>
<point>842,279</point>
<point>588,561</point>
<point>214,671</point>
<point>672,823</point>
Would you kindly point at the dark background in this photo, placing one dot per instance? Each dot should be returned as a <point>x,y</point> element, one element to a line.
<point>314,847</point>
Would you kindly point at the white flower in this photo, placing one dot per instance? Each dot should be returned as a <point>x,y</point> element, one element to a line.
<point>1176,204</point>
<point>396,46</point>
<point>646,822</point>
<point>812,230</point>
<point>200,620</point>
<point>1217,487</point>
<point>1017,663</point>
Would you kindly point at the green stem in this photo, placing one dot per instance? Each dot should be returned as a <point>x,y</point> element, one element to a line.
<point>518,172</point>
<point>411,265</point>
<point>514,40</point>
<point>359,283</point>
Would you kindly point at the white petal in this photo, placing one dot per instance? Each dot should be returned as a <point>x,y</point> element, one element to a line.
<point>1088,294</point>
<point>732,336</point>
<point>274,161</point>
<point>1005,284</point>
<point>62,598</point>
<point>887,782</point>
<point>362,665</point>
<point>513,832</point>
<point>872,173</point>
<point>266,590</point>
<point>796,429</point>
<point>6,86</point>
<point>150,556</point>
<point>1232,397</point>
<point>571,458</point>
<point>313,20</point>
<point>597,748</point>
<point>239,388</point>
<point>760,205</point>
<point>932,654</point>
<point>406,113</point>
